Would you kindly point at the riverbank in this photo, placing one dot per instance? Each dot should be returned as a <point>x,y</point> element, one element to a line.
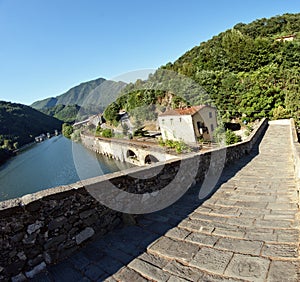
<point>5,155</point>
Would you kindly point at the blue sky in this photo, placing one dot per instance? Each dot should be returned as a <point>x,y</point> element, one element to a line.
<point>49,46</point>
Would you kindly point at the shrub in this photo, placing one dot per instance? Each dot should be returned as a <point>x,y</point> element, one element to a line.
<point>231,137</point>
<point>107,133</point>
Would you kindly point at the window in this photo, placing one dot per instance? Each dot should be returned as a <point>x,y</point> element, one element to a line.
<point>210,114</point>
<point>171,121</point>
<point>162,121</point>
<point>212,127</point>
<point>180,119</point>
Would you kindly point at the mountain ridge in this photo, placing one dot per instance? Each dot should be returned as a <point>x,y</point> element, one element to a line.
<point>96,91</point>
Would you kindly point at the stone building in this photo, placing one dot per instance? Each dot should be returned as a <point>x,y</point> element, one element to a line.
<point>188,124</point>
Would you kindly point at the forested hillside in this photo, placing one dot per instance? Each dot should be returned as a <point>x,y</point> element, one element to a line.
<point>248,72</point>
<point>19,124</point>
<point>83,100</point>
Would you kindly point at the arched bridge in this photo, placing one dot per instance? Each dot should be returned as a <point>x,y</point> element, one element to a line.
<point>137,153</point>
<point>248,230</point>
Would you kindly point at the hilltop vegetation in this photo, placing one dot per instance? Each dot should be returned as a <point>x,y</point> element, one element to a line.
<point>71,113</point>
<point>245,72</point>
<point>19,124</point>
<point>143,104</point>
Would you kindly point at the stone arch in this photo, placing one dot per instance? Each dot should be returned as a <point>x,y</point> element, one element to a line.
<point>131,155</point>
<point>150,159</point>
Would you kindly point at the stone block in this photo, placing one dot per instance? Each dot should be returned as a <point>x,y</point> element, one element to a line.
<point>202,239</point>
<point>211,260</point>
<point>84,235</point>
<point>280,250</point>
<point>180,250</point>
<point>128,274</point>
<point>288,271</point>
<point>183,271</point>
<point>19,278</point>
<point>93,272</point>
<point>148,270</point>
<point>57,223</point>
<point>155,260</point>
<point>37,269</point>
<point>248,268</point>
<point>55,241</point>
<point>240,246</point>
<point>177,233</point>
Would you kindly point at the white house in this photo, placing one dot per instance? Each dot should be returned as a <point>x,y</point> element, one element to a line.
<point>286,38</point>
<point>188,124</point>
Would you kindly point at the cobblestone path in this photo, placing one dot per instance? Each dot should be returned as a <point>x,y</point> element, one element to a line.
<point>247,231</point>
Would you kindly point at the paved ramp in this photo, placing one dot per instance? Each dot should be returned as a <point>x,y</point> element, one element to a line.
<point>247,231</point>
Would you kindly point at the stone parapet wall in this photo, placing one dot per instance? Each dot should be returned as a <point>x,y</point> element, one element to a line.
<point>47,226</point>
<point>296,148</point>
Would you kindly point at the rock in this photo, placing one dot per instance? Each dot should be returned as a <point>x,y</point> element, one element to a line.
<point>18,237</point>
<point>36,270</point>
<point>15,267</point>
<point>57,223</point>
<point>18,278</point>
<point>86,213</point>
<point>55,241</point>
<point>21,256</point>
<point>84,235</point>
<point>29,240</point>
<point>34,227</point>
<point>35,261</point>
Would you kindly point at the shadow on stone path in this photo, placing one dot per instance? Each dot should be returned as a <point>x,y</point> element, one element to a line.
<point>248,230</point>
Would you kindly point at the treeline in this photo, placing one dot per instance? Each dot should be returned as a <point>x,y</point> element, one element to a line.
<point>72,113</point>
<point>19,124</point>
<point>143,104</point>
<point>246,71</point>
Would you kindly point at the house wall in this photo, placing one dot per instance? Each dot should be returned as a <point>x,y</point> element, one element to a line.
<point>209,121</point>
<point>177,128</point>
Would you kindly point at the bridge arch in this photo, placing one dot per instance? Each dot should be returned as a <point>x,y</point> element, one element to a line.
<point>150,159</point>
<point>131,154</point>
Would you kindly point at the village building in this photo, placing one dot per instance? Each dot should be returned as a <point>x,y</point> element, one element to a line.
<point>188,124</point>
<point>286,38</point>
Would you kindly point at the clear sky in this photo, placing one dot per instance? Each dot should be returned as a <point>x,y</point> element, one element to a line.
<point>49,46</point>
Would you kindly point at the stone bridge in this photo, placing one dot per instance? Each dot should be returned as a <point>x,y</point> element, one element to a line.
<point>135,152</point>
<point>248,230</point>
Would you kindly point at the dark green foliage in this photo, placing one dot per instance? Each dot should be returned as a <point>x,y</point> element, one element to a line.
<point>67,130</point>
<point>107,133</point>
<point>179,146</point>
<point>143,104</point>
<point>231,137</point>
<point>104,132</point>
<point>71,113</point>
<point>245,71</point>
<point>19,124</point>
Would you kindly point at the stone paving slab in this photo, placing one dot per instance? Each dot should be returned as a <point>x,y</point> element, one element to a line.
<point>247,231</point>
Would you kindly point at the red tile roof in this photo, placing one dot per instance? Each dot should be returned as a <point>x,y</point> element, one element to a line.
<point>184,111</point>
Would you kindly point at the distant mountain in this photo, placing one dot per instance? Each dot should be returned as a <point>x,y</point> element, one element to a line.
<point>99,92</point>
<point>19,124</point>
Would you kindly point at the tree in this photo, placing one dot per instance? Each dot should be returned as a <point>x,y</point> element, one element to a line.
<point>67,130</point>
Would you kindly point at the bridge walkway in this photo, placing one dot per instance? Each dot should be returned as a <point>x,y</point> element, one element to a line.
<point>247,231</point>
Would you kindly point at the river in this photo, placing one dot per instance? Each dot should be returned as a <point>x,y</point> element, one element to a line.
<point>54,162</point>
